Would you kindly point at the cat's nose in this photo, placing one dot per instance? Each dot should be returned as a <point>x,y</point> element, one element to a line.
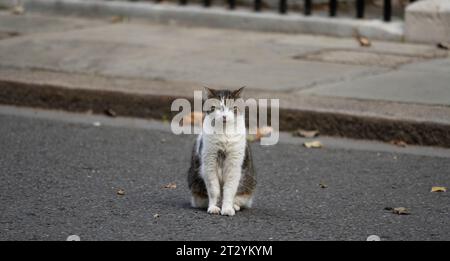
<point>224,118</point>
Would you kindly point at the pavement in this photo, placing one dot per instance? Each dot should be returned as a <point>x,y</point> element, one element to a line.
<point>219,16</point>
<point>389,91</point>
<point>61,174</point>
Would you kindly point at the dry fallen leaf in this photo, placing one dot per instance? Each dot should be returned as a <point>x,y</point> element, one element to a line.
<point>110,112</point>
<point>260,132</point>
<point>321,185</point>
<point>4,35</point>
<point>438,189</point>
<point>364,41</point>
<point>399,143</point>
<point>121,192</point>
<point>313,144</point>
<point>306,133</point>
<point>263,131</point>
<point>399,210</point>
<point>195,118</point>
<point>117,19</point>
<point>18,10</point>
<point>444,46</point>
<point>171,185</point>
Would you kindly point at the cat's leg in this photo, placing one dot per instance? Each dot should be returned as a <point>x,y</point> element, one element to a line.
<point>209,174</point>
<point>213,187</point>
<point>231,178</point>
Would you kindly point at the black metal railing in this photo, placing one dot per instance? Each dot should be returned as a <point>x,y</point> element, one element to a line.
<point>206,3</point>
<point>257,4</point>
<point>360,7</point>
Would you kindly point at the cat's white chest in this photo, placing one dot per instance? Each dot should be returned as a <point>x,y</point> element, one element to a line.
<point>224,151</point>
<point>231,144</point>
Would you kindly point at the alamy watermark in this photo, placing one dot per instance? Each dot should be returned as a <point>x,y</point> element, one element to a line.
<point>228,117</point>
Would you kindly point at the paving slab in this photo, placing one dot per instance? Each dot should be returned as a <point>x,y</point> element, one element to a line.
<point>425,82</point>
<point>230,58</point>
<point>436,65</point>
<point>198,55</point>
<point>35,23</point>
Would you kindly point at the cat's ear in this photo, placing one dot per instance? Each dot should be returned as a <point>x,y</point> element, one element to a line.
<point>210,93</point>
<point>237,93</point>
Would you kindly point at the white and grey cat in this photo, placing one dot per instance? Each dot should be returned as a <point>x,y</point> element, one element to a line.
<point>221,177</point>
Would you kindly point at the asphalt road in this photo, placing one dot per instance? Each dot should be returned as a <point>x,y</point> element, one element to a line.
<point>60,177</point>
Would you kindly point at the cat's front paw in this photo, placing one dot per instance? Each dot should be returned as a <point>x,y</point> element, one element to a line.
<point>213,210</point>
<point>227,211</point>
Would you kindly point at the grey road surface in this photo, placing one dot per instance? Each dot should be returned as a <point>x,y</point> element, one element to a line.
<point>60,177</point>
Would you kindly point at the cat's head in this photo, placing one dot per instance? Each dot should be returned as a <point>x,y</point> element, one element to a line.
<point>223,105</point>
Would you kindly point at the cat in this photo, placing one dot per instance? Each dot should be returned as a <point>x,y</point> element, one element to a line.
<point>221,176</point>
